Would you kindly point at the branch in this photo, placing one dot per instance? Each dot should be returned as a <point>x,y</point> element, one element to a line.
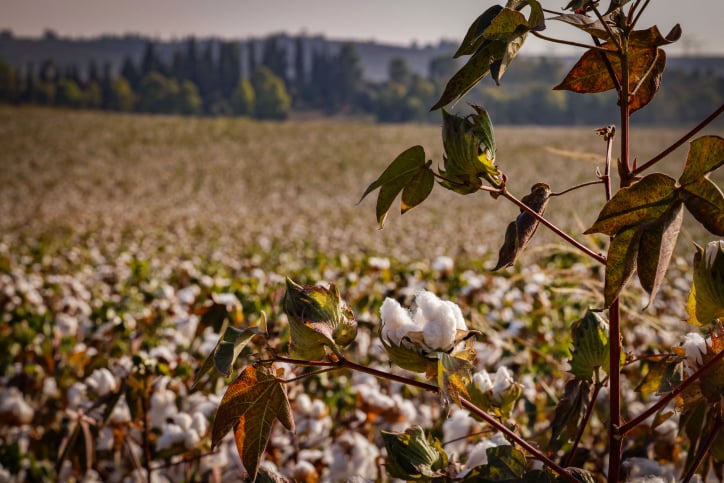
<point>346,363</point>
<point>718,424</point>
<point>584,423</point>
<point>638,14</point>
<point>678,143</point>
<point>573,188</point>
<point>607,132</point>
<point>614,39</point>
<point>567,42</point>
<point>671,395</point>
<point>596,256</point>
<point>615,441</point>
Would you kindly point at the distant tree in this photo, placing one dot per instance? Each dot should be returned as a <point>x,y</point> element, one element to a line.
<point>122,97</point>
<point>272,99</point>
<point>441,69</point>
<point>9,87</point>
<point>300,70</point>
<point>243,99</point>
<point>251,55</point>
<point>191,60</point>
<point>151,62</point>
<point>93,95</point>
<point>274,56</point>
<point>188,101</point>
<point>48,71</point>
<point>106,84</point>
<point>229,68</point>
<point>68,94</point>
<point>130,72</point>
<point>398,71</point>
<point>158,94</point>
<point>93,73</point>
<point>207,77</point>
<point>178,66</point>
<point>347,76</point>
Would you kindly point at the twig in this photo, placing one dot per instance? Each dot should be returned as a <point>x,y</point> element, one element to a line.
<point>567,42</point>
<point>614,39</point>
<point>615,441</point>
<point>608,134</point>
<point>633,23</point>
<point>345,363</point>
<point>671,395</point>
<point>573,188</point>
<point>704,450</point>
<point>599,258</point>
<point>584,423</point>
<point>679,142</point>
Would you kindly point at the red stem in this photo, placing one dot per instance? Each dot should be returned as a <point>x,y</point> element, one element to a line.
<point>584,423</point>
<point>671,395</point>
<point>615,440</point>
<point>718,424</point>
<point>345,363</point>
<point>682,140</point>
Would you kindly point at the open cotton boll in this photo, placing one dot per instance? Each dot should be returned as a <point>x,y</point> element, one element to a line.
<point>441,320</point>
<point>396,321</point>
<point>482,381</point>
<point>503,380</point>
<point>695,347</point>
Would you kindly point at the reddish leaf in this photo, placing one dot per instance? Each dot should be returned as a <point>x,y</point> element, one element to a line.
<point>705,201</point>
<point>658,240</point>
<point>643,202</point>
<point>620,262</point>
<point>590,74</point>
<point>651,37</point>
<point>250,405</point>
<point>570,411</point>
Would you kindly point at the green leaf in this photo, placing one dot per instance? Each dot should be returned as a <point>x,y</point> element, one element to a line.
<point>410,456</point>
<point>250,405</point>
<point>406,357</point>
<point>474,37</point>
<point>505,464</point>
<point>508,25</point>
<point>225,353</point>
<point>408,172</point>
<point>706,300</point>
<point>590,346</point>
<point>620,262</point>
<point>705,201</point>
<point>643,202</point>
<point>471,73</point>
<point>469,144</point>
<point>615,5</point>
<point>520,231</point>
<point>318,318</point>
<point>658,240</point>
<point>498,68</point>
<point>418,189</point>
<point>705,155</point>
<point>570,411</point>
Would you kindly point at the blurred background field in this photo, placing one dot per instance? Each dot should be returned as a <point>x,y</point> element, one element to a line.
<point>293,185</point>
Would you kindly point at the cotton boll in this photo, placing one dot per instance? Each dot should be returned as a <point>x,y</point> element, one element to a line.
<point>353,455</point>
<point>457,427</point>
<point>14,405</point>
<point>171,435</point>
<point>695,347</point>
<point>396,321</point>
<point>101,381</point>
<point>503,380</point>
<point>482,381</point>
<point>441,319</point>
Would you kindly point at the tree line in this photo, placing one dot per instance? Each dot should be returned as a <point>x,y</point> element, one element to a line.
<point>273,77</point>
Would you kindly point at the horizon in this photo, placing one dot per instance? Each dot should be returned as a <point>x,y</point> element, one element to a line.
<point>404,23</point>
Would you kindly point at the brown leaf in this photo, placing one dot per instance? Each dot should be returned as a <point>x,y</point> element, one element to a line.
<point>705,155</point>
<point>620,262</point>
<point>590,74</point>
<point>712,381</point>
<point>250,405</point>
<point>658,240</point>
<point>570,411</point>
<point>520,231</point>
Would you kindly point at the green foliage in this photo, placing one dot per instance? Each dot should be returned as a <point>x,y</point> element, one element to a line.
<point>271,98</point>
<point>122,96</point>
<point>318,318</point>
<point>412,457</point>
<point>505,464</point>
<point>706,300</point>
<point>590,347</point>
<point>68,94</point>
<point>244,98</point>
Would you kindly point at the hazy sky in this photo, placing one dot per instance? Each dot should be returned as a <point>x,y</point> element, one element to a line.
<point>388,21</point>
